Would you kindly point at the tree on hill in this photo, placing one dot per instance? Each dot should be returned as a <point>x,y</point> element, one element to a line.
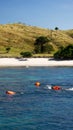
<point>56,28</point>
<point>39,44</point>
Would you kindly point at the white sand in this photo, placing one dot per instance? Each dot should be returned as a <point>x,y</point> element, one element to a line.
<point>4,62</point>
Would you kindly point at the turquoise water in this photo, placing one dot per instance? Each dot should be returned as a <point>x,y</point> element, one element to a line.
<point>35,108</point>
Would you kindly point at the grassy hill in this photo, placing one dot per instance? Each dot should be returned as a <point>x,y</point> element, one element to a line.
<point>21,37</point>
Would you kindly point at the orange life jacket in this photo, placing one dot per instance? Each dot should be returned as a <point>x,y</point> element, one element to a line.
<point>56,87</point>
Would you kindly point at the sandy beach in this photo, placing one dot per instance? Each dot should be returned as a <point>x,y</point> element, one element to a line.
<point>4,62</point>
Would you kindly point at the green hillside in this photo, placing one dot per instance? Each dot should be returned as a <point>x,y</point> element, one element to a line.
<point>20,37</point>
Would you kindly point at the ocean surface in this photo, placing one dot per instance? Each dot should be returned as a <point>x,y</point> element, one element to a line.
<point>36,108</point>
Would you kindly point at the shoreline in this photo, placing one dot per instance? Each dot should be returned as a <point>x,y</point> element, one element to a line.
<point>33,62</point>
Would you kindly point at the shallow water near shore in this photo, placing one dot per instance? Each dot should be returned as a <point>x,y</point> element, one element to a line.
<point>36,108</point>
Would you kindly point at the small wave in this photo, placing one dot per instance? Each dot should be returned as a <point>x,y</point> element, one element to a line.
<point>70,89</point>
<point>49,86</point>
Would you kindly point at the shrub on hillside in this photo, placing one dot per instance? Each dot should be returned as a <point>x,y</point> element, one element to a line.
<point>26,54</point>
<point>8,49</point>
<point>64,53</point>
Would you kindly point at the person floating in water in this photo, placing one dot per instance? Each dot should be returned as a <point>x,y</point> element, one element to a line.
<point>54,87</point>
<point>10,92</point>
<point>37,84</point>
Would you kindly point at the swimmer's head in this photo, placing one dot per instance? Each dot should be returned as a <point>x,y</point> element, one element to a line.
<point>37,84</point>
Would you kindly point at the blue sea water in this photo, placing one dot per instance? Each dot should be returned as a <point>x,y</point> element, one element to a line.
<point>36,108</point>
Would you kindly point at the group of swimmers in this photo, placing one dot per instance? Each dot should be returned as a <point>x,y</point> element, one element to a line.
<point>38,84</point>
<point>56,87</point>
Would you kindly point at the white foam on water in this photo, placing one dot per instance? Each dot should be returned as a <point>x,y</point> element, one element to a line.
<point>70,89</point>
<point>49,86</point>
